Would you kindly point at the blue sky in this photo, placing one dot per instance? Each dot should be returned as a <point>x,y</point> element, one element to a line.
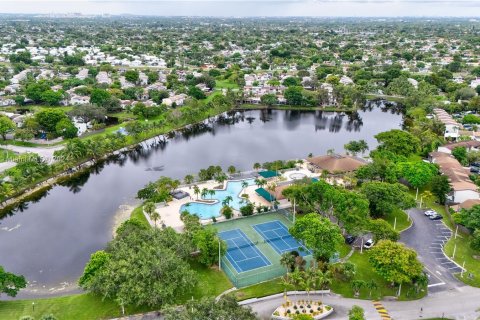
<point>239,8</point>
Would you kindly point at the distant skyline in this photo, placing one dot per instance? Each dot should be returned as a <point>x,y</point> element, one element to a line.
<point>239,8</point>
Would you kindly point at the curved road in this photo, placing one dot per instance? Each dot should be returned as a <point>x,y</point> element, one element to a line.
<point>458,304</point>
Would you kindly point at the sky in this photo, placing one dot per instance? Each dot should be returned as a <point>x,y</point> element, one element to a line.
<point>245,8</point>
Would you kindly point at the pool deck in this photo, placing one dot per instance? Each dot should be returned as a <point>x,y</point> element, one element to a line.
<point>170,214</point>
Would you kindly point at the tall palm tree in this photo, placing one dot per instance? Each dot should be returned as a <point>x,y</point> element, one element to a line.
<point>256,166</point>
<point>287,260</point>
<point>150,209</point>
<point>244,184</point>
<point>211,192</point>
<point>227,200</point>
<point>372,285</point>
<point>204,193</point>
<point>196,190</point>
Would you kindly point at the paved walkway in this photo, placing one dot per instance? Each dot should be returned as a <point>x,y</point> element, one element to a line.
<point>45,152</point>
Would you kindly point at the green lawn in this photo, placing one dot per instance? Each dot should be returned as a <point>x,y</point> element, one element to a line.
<point>211,282</point>
<point>81,306</point>
<point>402,220</point>
<point>225,84</point>
<point>6,155</point>
<point>364,272</point>
<point>137,213</point>
<point>464,253</point>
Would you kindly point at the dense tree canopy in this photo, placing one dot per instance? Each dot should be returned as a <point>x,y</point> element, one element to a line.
<point>385,197</point>
<point>399,142</point>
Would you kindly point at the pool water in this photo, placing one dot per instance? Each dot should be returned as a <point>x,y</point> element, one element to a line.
<point>210,210</point>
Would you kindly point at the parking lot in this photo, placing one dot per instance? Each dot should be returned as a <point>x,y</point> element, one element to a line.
<point>428,237</point>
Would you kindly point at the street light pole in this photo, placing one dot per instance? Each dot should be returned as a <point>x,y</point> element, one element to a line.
<point>219,257</point>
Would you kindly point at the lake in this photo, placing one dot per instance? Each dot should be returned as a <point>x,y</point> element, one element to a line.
<point>50,240</point>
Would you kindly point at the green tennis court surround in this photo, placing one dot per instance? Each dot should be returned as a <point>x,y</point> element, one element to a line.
<point>246,244</point>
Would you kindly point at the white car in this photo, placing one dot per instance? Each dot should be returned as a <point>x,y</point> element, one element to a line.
<point>429,213</point>
<point>368,244</point>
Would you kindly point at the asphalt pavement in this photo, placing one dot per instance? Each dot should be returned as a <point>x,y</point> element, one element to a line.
<point>428,237</point>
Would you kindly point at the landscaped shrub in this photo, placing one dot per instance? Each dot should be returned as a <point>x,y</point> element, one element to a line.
<point>227,212</point>
<point>247,210</point>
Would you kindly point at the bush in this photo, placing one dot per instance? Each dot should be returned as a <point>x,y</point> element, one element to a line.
<point>227,212</point>
<point>247,210</point>
<point>475,243</point>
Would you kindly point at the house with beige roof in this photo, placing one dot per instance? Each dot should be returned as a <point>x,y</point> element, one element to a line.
<point>463,188</point>
<point>335,163</point>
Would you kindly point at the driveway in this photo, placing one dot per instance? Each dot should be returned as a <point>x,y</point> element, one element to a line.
<point>428,237</point>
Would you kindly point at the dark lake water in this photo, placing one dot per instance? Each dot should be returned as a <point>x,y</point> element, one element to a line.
<point>49,241</point>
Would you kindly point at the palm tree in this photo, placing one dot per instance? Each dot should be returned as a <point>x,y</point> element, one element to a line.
<point>357,285</point>
<point>271,187</point>
<point>196,190</point>
<point>287,260</point>
<point>308,281</point>
<point>211,193</point>
<point>323,278</point>
<point>297,278</point>
<point>150,209</point>
<point>204,193</point>
<point>363,146</point>
<point>371,285</point>
<point>244,184</point>
<point>227,200</point>
<point>256,166</point>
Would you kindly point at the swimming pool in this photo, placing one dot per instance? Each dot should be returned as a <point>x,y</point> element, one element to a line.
<point>210,210</point>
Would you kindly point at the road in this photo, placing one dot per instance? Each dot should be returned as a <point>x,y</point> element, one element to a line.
<point>427,238</point>
<point>45,152</point>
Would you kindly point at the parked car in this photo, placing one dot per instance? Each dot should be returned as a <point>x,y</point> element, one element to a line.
<point>430,212</point>
<point>368,244</point>
<point>474,169</point>
<point>350,239</point>
<point>435,217</point>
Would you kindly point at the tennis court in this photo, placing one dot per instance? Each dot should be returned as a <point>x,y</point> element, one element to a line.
<point>250,258</point>
<point>277,235</point>
<point>241,252</point>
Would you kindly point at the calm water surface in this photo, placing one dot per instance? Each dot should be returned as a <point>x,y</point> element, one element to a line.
<point>49,241</point>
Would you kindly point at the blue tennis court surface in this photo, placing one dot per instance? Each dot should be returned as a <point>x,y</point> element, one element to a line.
<point>241,252</point>
<point>277,235</point>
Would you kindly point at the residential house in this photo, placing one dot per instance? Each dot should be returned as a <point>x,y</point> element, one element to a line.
<point>463,188</point>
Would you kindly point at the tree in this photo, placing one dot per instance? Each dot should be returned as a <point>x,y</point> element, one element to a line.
<point>355,147</point>
<point>417,173</point>
<point>356,313</point>
<point>189,179</point>
<point>398,142</point>
<point>247,210</point>
<point>24,134</point>
<point>318,234</point>
<point>196,93</point>
<point>385,197</point>
<point>294,95</point>
<point>6,126</point>
<point>88,112</point>
<point>196,190</point>
<point>10,283</point>
<point>382,230</point>
<point>287,260</point>
<point>97,261</point>
<point>207,309</point>
<point>52,98</point>
<point>49,118</point>
<point>357,285</point>
<point>207,241</point>
<point>395,262</point>
<point>66,129</point>
<point>269,99</point>
<point>145,267</point>
<point>470,218</point>
<point>231,170</point>
<point>460,153</point>
<point>36,90</point>
<point>99,96</point>
<point>440,187</point>
<point>132,76</point>
<point>151,210</point>
<point>475,242</point>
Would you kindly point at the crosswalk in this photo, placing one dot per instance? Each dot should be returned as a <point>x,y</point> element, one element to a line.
<point>381,310</point>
